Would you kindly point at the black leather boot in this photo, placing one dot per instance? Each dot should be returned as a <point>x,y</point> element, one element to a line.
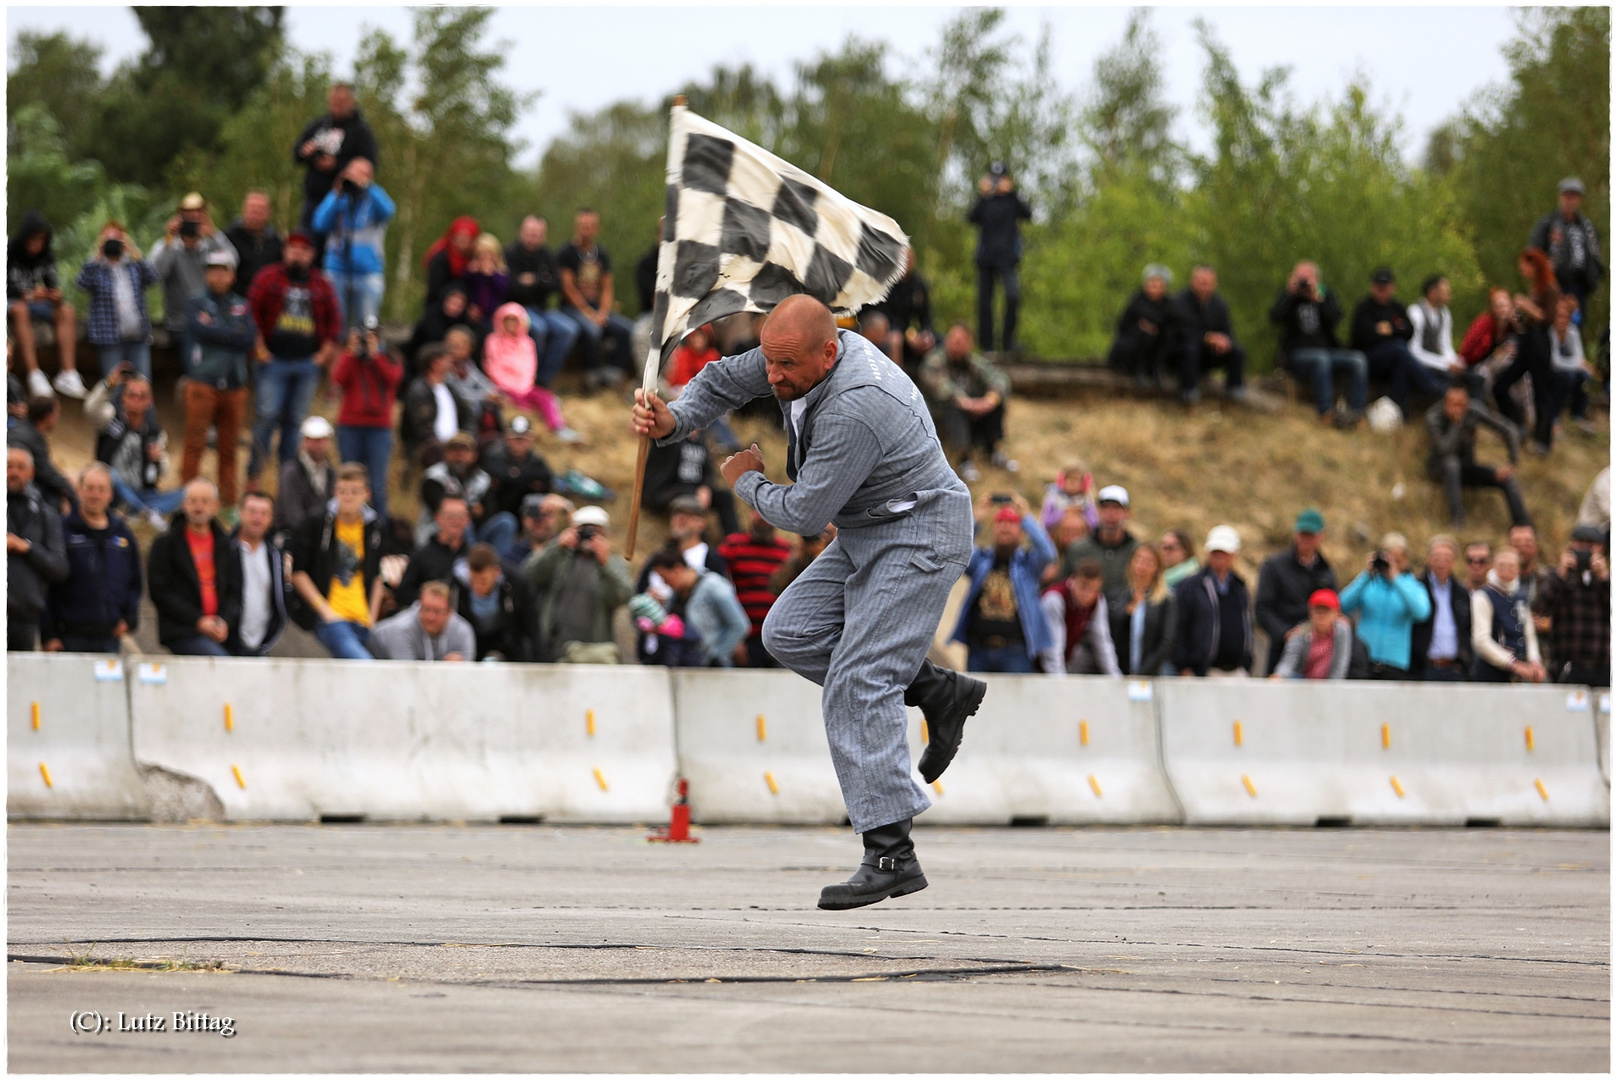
<point>945,698</point>
<point>888,869</point>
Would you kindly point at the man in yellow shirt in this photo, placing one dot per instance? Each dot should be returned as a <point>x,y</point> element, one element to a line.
<point>336,559</point>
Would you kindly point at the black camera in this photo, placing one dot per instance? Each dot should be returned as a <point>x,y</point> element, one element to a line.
<point>112,248</point>
<point>1581,556</point>
<point>1380,563</point>
<point>586,533</point>
<point>190,229</point>
<point>999,498</point>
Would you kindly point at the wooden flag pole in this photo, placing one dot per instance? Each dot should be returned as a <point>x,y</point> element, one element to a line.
<point>648,383</point>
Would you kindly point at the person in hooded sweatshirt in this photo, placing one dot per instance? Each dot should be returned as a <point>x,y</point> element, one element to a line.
<point>33,291</point>
<point>511,361</point>
<point>1146,329</point>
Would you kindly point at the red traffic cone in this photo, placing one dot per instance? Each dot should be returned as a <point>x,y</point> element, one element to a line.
<point>679,821</point>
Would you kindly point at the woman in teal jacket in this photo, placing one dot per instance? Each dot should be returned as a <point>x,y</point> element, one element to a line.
<point>1389,601</point>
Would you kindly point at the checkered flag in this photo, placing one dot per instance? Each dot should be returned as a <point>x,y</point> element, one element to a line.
<point>744,230</point>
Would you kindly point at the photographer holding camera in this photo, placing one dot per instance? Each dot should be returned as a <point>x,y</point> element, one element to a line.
<point>116,279</point>
<point>1390,601</point>
<point>1577,600</point>
<point>180,259</point>
<point>369,377</point>
<point>353,219</point>
<point>1307,314</point>
<point>583,584</point>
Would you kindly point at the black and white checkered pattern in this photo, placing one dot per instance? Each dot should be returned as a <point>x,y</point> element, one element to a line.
<point>744,230</point>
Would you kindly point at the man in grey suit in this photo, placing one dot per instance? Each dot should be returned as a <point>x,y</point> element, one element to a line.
<point>863,454</point>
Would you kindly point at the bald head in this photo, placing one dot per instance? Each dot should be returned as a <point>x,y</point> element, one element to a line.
<point>799,341</point>
<point>803,317</point>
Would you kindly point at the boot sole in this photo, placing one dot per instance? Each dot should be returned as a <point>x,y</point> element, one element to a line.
<point>967,709</point>
<point>913,886</point>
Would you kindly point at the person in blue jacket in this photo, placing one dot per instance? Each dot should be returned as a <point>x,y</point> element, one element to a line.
<point>1001,621</point>
<point>352,219</point>
<point>99,600</point>
<point>1389,601</point>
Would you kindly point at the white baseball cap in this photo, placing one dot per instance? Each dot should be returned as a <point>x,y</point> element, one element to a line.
<point>591,515</point>
<point>1223,538</point>
<point>316,427</point>
<point>1116,493</point>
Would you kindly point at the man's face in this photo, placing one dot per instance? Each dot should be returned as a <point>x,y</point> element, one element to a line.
<point>483,581</point>
<point>587,227</point>
<point>256,517</point>
<point>1155,288</point>
<point>1440,294</point>
<point>452,519</point>
<point>460,347</point>
<point>315,448</point>
<point>340,100</point>
<point>1477,564</point>
<point>1307,544</point>
<point>519,445</point>
<point>220,277</point>
<point>95,493</point>
<point>532,234</point>
<point>1007,534</point>
<point>957,343</point>
<point>19,470</point>
<point>1204,283</point>
<point>1322,619</point>
<point>1112,515</point>
<point>200,506</point>
<point>434,613</point>
<point>794,364</point>
<point>686,526</point>
<point>255,211</point>
<point>137,399</point>
<point>1383,291</point>
<point>1507,566</point>
<point>1571,203</point>
<point>1525,541</point>
<point>1085,590</point>
<point>298,256</point>
<point>1456,399</point>
<point>460,458</point>
<point>35,243</point>
<point>352,495</point>
<point>1220,561</point>
<point>1440,561</point>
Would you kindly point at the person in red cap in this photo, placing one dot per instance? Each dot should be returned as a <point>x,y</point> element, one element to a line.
<point>1001,622</point>
<point>1322,648</point>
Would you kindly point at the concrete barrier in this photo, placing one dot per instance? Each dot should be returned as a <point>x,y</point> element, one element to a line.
<point>1245,752</point>
<point>311,739</point>
<point>1602,706</point>
<point>67,739</point>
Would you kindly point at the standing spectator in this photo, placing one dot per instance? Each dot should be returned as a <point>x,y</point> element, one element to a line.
<point>116,279</point>
<point>336,568</point>
<point>1215,621</point>
<point>1074,489</point>
<point>685,469</point>
<point>328,145</point>
<point>1440,644</point>
<point>1147,331</point>
<point>255,239</point>
<point>448,311</point>
<point>583,584</point>
<point>446,259</point>
<point>1478,562</point>
<point>753,557</point>
<point>131,441</point>
<point>533,282</point>
<point>1288,578</point>
<point>486,281</point>
<point>514,470</point>
<point>1390,602</point>
<point>308,481</point>
<point>1570,241</point>
<point>1079,626</point>
<point>219,333</point>
<point>1307,314</point>
<point>1322,647</point>
<point>33,291</point>
<point>1001,622</point>
<point>263,589</point>
<point>713,623</point>
<point>543,518</point>
<point>967,394</point>
<point>99,600</point>
<point>1570,373</point>
<point>512,363</point>
<point>1178,557</point>
<point>433,413</point>
<point>1534,313</point>
<point>497,605</point>
<point>1382,330</point>
<point>1208,339</point>
<point>31,431</point>
<point>1502,629</point>
<point>1576,599</point>
<point>1451,461</point>
<point>194,575</point>
<point>999,251</point>
<point>181,258</point>
<point>437,556</point>
<point>299,327</point>
<point>458,475</point>
<point>36,557</point>
<point>1143,628</point>
<point>587,294</point>
<point>428,630</point>
<point>1529,571</point>
<point>353,219</point>
<point>1111,545</point>
<point>1431,325</point>
<point>368,375</point>
<point>1070,528</point>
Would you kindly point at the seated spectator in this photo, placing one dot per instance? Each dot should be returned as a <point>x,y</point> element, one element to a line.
<point>16,396</point>
<point>308,482</point>
<point>1001,622</point>
<point>543,517</point>
<point>99,600</point>
<point>1178,557</point>
<point>1502,633</point>
<point>514,469</point>
<point>1147,331</point>
<point>219,334</point>
<point>255,239</point>
<point>40,421</point>
<point>1078,625</point>
<point>1577,601</point>
<point>498,605</point>
<point>1074,487</point>
<point>1452,424</point>
<point>33,291</point>
<point>805,550</point>
<point>36,555</point>
<point>753,557</point>
<point>194,575</point>
<point>1491,338</point>
<point>1214,637</point>
<point>1595,509</point>
<point>1431,325</point>
<point>874,328</point>
<point>1381,331</point>
<point>967,394</point>
<point>432,414</point>
<point>1111,545</point>
<point>689,358</point>
<point>687,533</point>
<point>263,588</point>
<point>130,441</point>
<point>1288,578</point>
<point>685,470</point>
<point>353,218</point>
<point>1440,644</point>
<point>1307,314</point>
<point>583,584</point>
<point>511,363</point>
<point>1478,562</point>
<point>436,557</point>
<point>446,258</point>
<point>458,475</point>
<point>433,328</point>
<point>911,333</point>
<point>713,623</point>
<point>486,281</point>
<point>533,282</point>
<point>368,375</point>
<point>1570,373</point>
<point>1322,646</point>
<point>587,297</point>
<point>1143,629</point>
<point>468,382</point>
<point>116,279</point>
<point>336,568</point>
<point>1389,602</point>
<point>1207,339</point>
<point>428,629</point>
<point>180,260</point>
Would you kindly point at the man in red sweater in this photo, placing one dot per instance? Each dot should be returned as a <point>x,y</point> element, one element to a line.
<point>369,377</point>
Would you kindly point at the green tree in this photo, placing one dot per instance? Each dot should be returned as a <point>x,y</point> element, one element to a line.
<point>63,74</point>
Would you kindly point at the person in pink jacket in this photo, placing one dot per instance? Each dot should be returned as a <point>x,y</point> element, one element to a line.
<point>510,361</point>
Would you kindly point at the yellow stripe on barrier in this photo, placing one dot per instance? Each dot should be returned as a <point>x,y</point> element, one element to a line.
<point>769,778</point>
<point>601,780</point>
<point>937,786</point>
<point>926,735</point>
<point>36,716</point>
<point>1529,738</point>
<point>46,773</point>
<point>1246,782</point>
<point>589,726</point>
<point>1541,792</point>
<point>1386,736</point>
<point>1094,785</point>
<point>237,774</point>
<point>1396,786</point>
<point>229,723</point>
<point>763,732</point>
<point>1083,733</point>
<point>1238,733</point>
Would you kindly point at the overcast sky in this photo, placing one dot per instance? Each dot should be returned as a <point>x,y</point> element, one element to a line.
<point>1423,61</point>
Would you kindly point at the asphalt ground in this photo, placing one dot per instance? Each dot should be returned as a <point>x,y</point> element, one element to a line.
<point>428,948</point>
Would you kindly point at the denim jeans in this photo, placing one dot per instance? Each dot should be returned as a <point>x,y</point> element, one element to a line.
<point>372,447</point>
<point>362,291</point>
<point>1392,360</point>
<point>1012,659</point>
<point>197,645</point>
<point>282,390</point>
<point>164,502</point>
<point>617,327</point>
<point>553,335</point>
<point>1012,286</point>
<point>85,644</point>
<point>499,530</point>
<point>137,353</point>
<point>1315,366</point>
<point>345,640</point>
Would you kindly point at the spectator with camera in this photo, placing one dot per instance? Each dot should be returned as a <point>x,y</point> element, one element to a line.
<point>583,584</point>
<point>219,335</point>
<point>353,218</point>
<point>263,587</point>
<point>996,213</point>
<point>1207,339</point>
<point>368,374</point>
<point>1214,637</point>
<point>1147,331</point>
<point>1287,580</point>
<point>1322,646</point>
<point>328,145</point>
<point>498,605</point>
<point>36,556</point>
<point>587,298</point>
<point>1452,460</point>
<point>428,629</point>
<point>255,239</point>
<point>712,626</point>
<point>1440,644</point>
<point>1307,314</point>
<point>308,481</point>
<point>967,394</point>
<point>116,279</point>
<point>336,568</point>
<point>194,575</point>
<point>33,291</point>
<point>533,281</point>
<point>1001,622</point>
<point>99,600</point>
<point>1576,599</point>
<point>1389,602</point>
<point>1502,632</point>
<point>131,441</point>
<point>432,413</point>
<point>181,258</point>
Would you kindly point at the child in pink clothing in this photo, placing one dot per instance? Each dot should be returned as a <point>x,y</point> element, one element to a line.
<point>510,361</point>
